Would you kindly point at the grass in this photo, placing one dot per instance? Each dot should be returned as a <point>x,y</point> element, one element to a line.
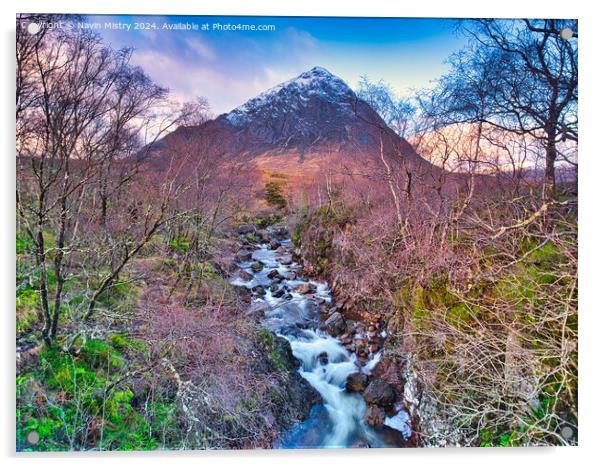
<point>84,390</point>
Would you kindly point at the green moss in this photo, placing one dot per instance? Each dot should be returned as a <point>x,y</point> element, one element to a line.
<point>97,353</point>
<point>270,346</point>
<point>462,315</point>
<point>24,244</point>
<point>88,388</point>
<point>180,244</point>
<point>252,238</point>
<point>267,221</point>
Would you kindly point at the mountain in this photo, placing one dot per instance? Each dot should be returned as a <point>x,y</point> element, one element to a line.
<point>299,129</point>
<point>311,110</point>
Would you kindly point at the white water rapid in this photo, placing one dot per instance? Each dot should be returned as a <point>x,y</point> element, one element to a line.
<point>290,306</point>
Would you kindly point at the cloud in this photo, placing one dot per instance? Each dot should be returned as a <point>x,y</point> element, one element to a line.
<point>202,49</point>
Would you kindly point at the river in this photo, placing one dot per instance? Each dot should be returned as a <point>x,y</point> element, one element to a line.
<point>290,304</point>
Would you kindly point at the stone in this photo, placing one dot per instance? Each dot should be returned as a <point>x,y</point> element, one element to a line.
<point>244,275</point>
<point>335,324</point>
<point>258,308</point>
<point>379,392</point>
<point>375,416</point>
<point>274,245</point>
<point>361,361</point>
<point>259,290</point>
<point>256,267</point>
<point>263,236</point>
<point>356,382</point>
<point>272,274</point>
<point>286,259</point>
<point>245,229</point>
<point>274,287</point>
<point>323,358</point>
<point>280,233</point>
<point>244,255</point>
<point>304,288</point>
<point>374,348</point>
<point>278,293</point>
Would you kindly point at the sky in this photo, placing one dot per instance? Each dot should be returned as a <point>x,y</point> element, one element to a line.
<point>228,67</point>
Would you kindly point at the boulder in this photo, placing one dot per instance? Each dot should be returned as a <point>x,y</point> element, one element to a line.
<point>323,358</point>
<point>256,267</point>
<point>244,275</point>
<point>274,245</point>
<point>379,392</point>
<point>304,288</point>
<point>263,236</point>
<point>272,274</point>
<point>279,233</point>
<point>375,416</point>
<point>259,290</point>
<point>278,293</point>
<point>286,259</point>
<point>299,395</point>
<point>245,229</point>
<point>356,382</point>
<point>244,255</point>
<point>258,308</point>
<point>335,324</point>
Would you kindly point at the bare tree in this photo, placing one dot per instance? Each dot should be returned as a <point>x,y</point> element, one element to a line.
<point>81,107</point>
<point>534,80</point>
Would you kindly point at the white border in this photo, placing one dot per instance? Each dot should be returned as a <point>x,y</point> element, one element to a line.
<point>590,179</point>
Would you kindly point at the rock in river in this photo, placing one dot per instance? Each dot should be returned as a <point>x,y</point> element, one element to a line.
<point>286,259</point>
<point>244,275</point>
<point>379,393</point>
<point>280,233</point>
<point>256,267</point>
<point>356,382</point>
<point>375,416</point>
<point>304,288</point>
<point>245,229</point>
<point>335,324</point>
<point>244,255</point>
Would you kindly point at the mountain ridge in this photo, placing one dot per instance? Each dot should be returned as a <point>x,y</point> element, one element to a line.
<point>302,127</point>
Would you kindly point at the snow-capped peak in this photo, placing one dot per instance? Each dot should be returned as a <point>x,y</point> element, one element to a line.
<point>317,82</point>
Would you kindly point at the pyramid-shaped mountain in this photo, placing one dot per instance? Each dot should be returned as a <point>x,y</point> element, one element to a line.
<point>300,126</point>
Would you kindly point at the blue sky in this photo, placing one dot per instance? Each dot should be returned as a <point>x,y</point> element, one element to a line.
<point>229,67</point>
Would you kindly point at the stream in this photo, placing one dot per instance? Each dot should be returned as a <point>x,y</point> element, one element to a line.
<point>290,306</point>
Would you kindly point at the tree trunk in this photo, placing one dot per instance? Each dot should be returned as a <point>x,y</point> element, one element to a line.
<point>551,154</point>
